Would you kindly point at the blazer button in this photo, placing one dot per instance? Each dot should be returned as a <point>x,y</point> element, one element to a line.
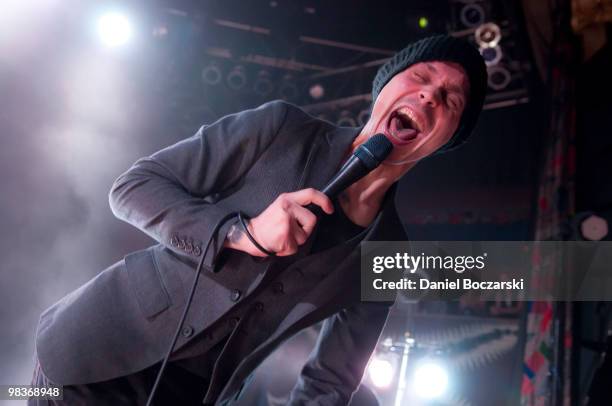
<point>235,295</point>
<point>234,321</point>
<point>187,331</point>
<point>174,241</point>
<point>197,250</point>
<point>181,244</point>
<point>259,306</point>
<point>277,287</point>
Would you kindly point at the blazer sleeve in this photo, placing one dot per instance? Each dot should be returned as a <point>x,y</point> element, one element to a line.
<point>336,365</point>
<point>163,195</point>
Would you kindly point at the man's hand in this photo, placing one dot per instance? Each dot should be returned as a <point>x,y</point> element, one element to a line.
<point>284,225</point>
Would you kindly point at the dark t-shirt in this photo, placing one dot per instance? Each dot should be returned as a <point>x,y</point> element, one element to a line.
<point>334,229</point>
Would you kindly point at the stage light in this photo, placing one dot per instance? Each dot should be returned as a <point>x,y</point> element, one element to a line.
<point>346,119</point>
<point>236,79</point>
<point>594,228</point>
<point>263,85</point>
<point>498,77</point>
<point>472,15</point>
<point>114,29</point>
<point>423,22</point>
<point>491,55</point>
<point>430,380</point>
<point>381,372</point>
<point>211,74</point>
<point>488,35</point>
<point>316,91</point>
<point>160,31</point>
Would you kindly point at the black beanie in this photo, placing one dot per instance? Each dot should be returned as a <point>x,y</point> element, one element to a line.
<point>442,48</point>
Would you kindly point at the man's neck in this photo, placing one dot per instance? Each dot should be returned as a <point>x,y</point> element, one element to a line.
<point>362,200</point>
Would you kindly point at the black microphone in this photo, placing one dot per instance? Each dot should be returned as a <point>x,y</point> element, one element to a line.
<point>365,159</point>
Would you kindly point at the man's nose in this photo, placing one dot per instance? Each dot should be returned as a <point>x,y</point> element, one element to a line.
<point>429,96</point>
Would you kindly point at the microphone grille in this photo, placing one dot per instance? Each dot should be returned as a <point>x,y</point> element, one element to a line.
<point>374,150</point>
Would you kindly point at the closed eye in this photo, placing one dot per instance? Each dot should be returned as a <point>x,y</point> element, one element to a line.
<point>455,102</point>
<point>420,78</point>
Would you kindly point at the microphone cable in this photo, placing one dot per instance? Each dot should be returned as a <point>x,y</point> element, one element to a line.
<point>187,305</point>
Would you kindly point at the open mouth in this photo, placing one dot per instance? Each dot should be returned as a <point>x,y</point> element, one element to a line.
<point>403,127</point>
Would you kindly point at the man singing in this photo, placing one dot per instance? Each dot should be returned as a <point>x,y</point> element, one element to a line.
<point>276,272</point>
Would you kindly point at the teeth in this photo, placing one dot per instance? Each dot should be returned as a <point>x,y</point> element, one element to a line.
<point>411,116</point>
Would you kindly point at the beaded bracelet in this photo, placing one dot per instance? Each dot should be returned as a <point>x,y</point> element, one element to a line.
<point>255,243</point>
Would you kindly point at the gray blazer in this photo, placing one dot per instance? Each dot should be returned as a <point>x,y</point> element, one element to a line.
<point>122,320</point>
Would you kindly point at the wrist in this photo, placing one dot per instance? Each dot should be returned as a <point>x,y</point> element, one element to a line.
<point>249,231</point>
<point>237,239</point>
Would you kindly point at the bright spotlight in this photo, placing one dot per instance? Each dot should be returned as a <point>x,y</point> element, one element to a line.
<point>430,380</point>
<point>114,29</point>
<point>381,372</point>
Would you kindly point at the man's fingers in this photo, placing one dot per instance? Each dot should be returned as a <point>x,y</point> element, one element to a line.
<point>305,218</point>
<point>300,236</point>
<point>306,196</point>
<point>290,246</point>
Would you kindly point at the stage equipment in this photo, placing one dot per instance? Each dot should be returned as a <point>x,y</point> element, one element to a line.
<point>236,79</point>
<point>491,55</point>
<point>498,77</point>
<point>263,85</point>
<point>488,35</point>
<point>492,28</point>
<point>472,15</point>
<point>589,226</point>
<point>211,74</point>
<point>345,119</point>
<point>316,91</point>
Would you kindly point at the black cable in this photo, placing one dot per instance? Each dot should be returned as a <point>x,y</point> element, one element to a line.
<point>255,243</point>
<point>187,305</point>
